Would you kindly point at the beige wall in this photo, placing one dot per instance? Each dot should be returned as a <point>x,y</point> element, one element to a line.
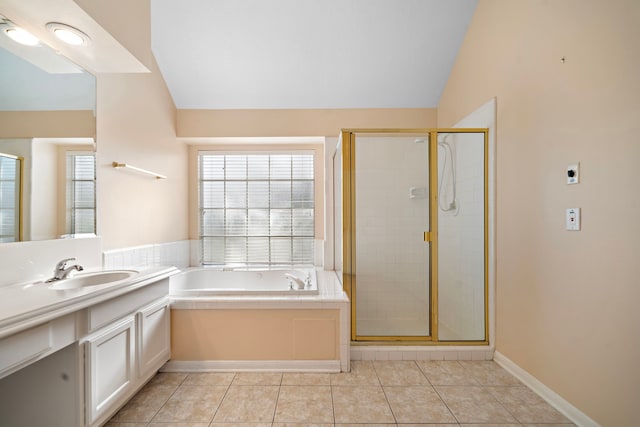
<point>264,123</point>
<point>566,301</point>
<point>47,124</point>
<point>136,125</point>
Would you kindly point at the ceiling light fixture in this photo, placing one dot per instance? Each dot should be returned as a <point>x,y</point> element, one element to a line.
<point>19,35</point>
<point>68,34</point>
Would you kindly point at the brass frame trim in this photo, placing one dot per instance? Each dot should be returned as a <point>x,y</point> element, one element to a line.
<point>431,236</point>
<point>433,227</point>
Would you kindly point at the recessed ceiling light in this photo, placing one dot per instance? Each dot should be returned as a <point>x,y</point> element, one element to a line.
<point>68,34</point>
<point>20,35</point>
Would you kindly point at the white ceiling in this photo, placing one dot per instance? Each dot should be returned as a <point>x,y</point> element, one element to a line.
<point>232,54</point>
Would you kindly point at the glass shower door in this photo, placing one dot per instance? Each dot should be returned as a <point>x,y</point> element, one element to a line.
<point>391,263</point>
<point>462,211</point>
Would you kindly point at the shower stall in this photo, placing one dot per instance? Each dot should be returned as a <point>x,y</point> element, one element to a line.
<point>410,234</point>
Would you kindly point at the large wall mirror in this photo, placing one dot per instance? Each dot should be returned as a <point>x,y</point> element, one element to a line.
<point>47,131</point>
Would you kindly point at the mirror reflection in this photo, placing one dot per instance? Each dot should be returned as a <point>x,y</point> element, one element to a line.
<point>47,127</point>
<point>10,185</point>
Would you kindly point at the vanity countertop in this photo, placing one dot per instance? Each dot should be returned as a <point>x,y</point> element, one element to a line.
<point>28,304</point>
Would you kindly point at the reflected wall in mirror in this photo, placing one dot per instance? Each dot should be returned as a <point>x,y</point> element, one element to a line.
<point>47,118</point>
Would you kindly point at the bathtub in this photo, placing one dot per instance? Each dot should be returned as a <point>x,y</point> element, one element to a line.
<point>252,320</point>
<point>208,282</point>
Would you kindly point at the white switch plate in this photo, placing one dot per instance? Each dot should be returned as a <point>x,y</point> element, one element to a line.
<point>573,219</point>
<point>575,171</point>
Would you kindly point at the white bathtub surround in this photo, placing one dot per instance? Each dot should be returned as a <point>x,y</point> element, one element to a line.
<point>173,253</point>
<point>32,261</point>
<point>209,282</point>
<point>364,352</point>
<point>330,296</point>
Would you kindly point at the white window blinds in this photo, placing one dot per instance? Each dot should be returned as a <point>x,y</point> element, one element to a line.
<point>9,199</point>
<point>256,209</point>
<point>81,193</point>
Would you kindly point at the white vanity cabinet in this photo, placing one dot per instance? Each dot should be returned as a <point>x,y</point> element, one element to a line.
<point>128,341</point>
<point>78,355</point>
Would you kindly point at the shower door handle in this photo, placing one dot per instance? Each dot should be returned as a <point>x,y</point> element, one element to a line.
<point>428,236</point>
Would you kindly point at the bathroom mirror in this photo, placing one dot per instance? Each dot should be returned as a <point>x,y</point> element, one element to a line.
<point>47,118</point>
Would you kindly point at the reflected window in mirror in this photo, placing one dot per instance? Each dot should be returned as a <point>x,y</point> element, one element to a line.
<point>10,185</point>
<point>81,193</point>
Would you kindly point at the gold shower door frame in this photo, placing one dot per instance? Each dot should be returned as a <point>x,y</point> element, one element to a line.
<point>349,279</point>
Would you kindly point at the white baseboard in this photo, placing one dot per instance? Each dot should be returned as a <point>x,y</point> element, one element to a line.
<point>554,399</point>
<point>252,366</point>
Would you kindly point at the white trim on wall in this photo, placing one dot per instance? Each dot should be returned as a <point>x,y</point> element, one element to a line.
<point>332,366</point>
<point>553,398</point>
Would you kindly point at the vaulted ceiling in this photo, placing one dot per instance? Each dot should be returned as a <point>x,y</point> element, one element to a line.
<point>299,54</point>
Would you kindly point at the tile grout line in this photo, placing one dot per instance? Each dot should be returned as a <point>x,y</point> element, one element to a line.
<point>395,419</point>
<point>165,402</point>
<point>275,407</point>
<point>433,386</point>
<point>333,406</point>
<point>221,400</point>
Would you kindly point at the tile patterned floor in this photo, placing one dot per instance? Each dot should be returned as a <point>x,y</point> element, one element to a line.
<point>380,393</point>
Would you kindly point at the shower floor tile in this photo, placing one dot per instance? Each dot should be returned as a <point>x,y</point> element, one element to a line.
<point>374,394</point>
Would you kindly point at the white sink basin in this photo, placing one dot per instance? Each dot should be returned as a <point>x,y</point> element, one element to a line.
<point>85,280</point>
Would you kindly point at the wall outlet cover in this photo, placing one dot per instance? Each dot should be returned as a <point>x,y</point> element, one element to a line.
<point>573,174</point>
<point>573,219</point>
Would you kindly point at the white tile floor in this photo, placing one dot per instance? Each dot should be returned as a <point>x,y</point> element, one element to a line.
<point>375,393</point>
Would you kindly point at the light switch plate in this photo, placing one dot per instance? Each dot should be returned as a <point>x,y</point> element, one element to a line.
<point>573,219</point>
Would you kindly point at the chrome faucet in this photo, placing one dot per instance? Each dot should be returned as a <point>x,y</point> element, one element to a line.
<point>301,284</point>
<point>61,271</point>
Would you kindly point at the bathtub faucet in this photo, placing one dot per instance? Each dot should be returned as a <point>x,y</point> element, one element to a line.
<point>300,284</point>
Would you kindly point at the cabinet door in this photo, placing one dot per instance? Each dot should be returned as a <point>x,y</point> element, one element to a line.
<point>154,342</point>
<point>110,367</point>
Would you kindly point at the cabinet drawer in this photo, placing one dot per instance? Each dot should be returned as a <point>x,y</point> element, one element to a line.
<point>116,308</point>
<point>23,347</point>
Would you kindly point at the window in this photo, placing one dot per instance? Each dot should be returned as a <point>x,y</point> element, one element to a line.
<point>81,193</point>
<point>256,209</point>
